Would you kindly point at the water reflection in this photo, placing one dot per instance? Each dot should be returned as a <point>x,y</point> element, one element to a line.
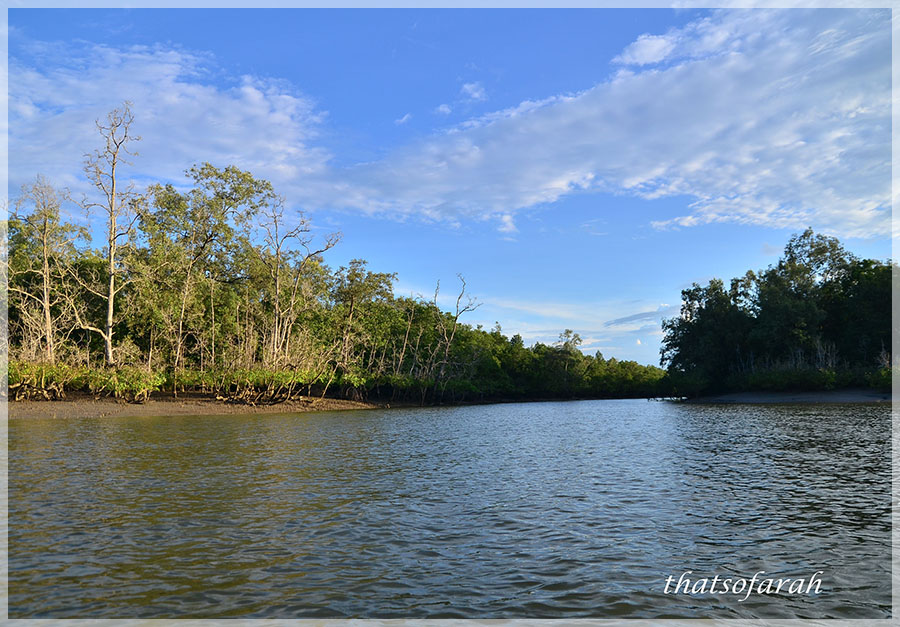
<point>541,510</point>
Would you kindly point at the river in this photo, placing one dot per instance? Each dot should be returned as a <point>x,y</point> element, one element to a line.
<point>540,510</point>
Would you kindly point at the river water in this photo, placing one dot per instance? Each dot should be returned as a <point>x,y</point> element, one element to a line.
<point>541,510</point>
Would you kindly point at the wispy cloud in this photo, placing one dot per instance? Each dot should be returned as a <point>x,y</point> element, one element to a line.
<point>443,109</point>
<point>663,311</point>
<point>647,49</point>
<point>774,118</point>
<point>599,324</point>
<point>473,91</point>
<point>507,225</point>
<point>538,321</point>
<point>265,126</point>
<point>603,315</point>
<point>592,227</point>
<point>543,309</point>
<point>403,120</point>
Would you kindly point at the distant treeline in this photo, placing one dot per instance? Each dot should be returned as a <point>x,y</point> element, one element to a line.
<point>220,290</point>
<point>818,319</point>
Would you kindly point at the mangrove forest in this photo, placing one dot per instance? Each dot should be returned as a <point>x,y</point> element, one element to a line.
<point>216,287</point>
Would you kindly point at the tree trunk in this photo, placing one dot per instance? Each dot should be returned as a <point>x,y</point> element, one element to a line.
<point>48,322</point>
<point>111,292</point>
<point>179,345</point>
<point>212,325</point>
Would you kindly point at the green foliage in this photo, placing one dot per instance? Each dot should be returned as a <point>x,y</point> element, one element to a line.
<point>130,383</point>
<point>790,379</point>
<point>687,383</point>
<point>817,320</point>
<point>51,381</point>
<point>221,289</point>
<point>881,378</point>
<point>39,380</point>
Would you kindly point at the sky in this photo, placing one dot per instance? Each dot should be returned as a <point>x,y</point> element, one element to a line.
<point>578,168</point>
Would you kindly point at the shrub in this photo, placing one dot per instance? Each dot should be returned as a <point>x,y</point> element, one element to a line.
<point>881,378</point>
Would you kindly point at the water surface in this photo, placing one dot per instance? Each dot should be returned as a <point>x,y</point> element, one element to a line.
<point>545,510</point>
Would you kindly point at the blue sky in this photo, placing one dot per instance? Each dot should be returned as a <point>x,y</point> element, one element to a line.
<point>579,167</point>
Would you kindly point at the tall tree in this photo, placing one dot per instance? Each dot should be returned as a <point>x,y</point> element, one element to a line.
<point>354,287</point>
<point>194,229</point>
<point>447,325</point>
<point>817,311</point>
<point>120,205</point>
<point>287,253</point>
<point>41,246</point>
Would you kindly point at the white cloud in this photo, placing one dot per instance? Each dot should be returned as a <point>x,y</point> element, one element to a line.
<point>604,315</point>
<point>264,126</point>
<point>646,49</point>
<point>775,118</point>
<point>403,120</point>
<point>473,91</point>
<point>507,225</point>
<point>543,309</point>
<point>443,109</point>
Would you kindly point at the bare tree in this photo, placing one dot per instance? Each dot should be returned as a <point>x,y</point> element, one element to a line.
<point>448,330</point>
<point>121,208</point>
<point>446,325</point>
<point>286,263</point>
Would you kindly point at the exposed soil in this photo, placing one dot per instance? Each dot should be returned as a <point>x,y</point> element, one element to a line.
<point>165,404</point>
<point>77,405</point>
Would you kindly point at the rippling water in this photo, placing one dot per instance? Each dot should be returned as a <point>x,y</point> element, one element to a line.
<point>522,510</point>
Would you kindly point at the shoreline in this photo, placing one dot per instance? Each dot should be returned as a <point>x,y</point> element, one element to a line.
<point>850,395</point>
<point>196,404</point>
<point>187,404</point>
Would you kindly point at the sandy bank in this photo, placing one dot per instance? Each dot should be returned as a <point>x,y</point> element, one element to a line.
<point>831,396</point>
<point>165,405</point>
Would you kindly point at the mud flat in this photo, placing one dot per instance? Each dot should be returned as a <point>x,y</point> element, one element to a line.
<point>84,406</point>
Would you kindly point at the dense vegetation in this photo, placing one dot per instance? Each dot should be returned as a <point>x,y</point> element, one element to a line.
<point>818,319</point>
<point>220,290</point>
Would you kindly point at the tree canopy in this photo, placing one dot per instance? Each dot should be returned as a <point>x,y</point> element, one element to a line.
<point>820,317</point>
<point>220,287</point>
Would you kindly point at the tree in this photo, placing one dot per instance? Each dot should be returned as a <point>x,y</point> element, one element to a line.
<point>287,252</point>
<point>818,310</point>
<point>121,207</point>
<point>569,341</point>
<point>709,337</point>
<point>41,247</point>
<point>448,324</point>
<point>789,302</point>
<point>858,313</point>
<point>570,356</point>
<point>192,230</point>
<point>811,258</point>
<point>354,287</point>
